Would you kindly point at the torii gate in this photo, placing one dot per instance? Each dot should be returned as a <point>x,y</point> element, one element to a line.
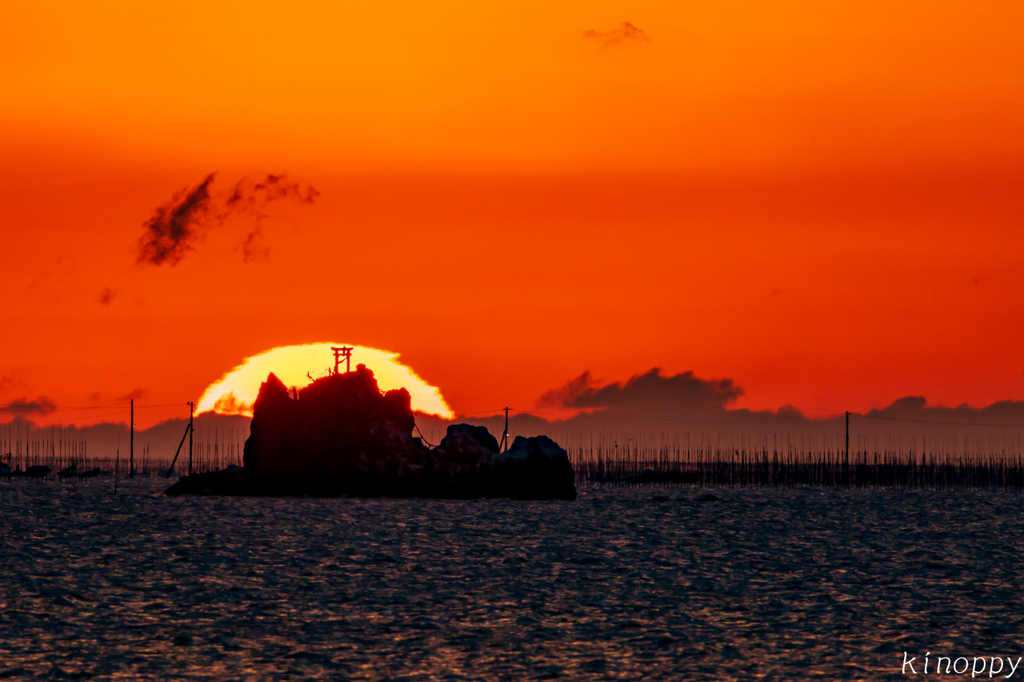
<point>343,352</point>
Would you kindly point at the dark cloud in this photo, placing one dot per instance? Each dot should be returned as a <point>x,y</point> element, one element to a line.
<point>137,394</point>
<point>254,193</point>
<point>23,406</point>
<point>107,295</point>
<point>175,226</point>
<point>625,31</point>
<point>649,393</point>
<point>6,382</point>
<point>917,409</point>
<point>568,392</point>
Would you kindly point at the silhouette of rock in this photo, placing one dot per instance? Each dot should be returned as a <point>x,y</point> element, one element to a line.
<point>342,436</point>
<point>708,497</point>
<point>469,444</point>
<point>470,465</point>
<point>534,468</point>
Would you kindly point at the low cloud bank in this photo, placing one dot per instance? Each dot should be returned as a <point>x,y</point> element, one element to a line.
<point>649,402</point>
<point>22,407</point>
<point>654,402</point>
<point>648,394</point>
<point>915,409</point>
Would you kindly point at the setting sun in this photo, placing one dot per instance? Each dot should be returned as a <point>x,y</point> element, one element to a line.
<point>235,392</point>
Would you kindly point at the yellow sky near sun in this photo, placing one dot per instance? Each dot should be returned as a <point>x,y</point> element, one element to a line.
<point>295,364</point>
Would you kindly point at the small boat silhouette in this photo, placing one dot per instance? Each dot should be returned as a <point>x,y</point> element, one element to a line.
<point>38,471</point>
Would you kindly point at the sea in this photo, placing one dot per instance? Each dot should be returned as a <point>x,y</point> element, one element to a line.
<point>624,583</point>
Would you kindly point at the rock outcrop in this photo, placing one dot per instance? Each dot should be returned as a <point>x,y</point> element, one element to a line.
<point>533,468</point>
<point>341,436</point>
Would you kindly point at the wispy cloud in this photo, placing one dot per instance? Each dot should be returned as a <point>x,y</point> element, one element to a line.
<point>253,195</point>
<point>137,394</point>
<point>625,31</point>
<point>175,226</point>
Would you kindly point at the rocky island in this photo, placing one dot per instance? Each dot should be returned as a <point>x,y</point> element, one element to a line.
<point>342,435</point>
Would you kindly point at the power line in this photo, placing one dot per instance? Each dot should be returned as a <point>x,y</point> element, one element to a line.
<point>495,413</point>
<point>47,410</point>
<point>730,419</point>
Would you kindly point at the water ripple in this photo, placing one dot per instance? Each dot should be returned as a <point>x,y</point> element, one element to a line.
<point>763,584</point>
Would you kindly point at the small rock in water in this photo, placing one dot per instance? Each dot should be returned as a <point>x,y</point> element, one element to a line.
<point>183,640</point>
<point>63,601</point>
<point>659,498</point>
<point>707,498</point>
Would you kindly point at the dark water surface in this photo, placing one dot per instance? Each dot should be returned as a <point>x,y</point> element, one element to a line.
<point>765,584</point>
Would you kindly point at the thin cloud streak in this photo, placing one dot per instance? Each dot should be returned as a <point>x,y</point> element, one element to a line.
<point>173,227</point>
<point>176,226</point>
<point>625,31</point>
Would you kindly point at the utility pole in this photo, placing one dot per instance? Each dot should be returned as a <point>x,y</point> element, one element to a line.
<point>847,436</point>
<point>847,445</point>
<point>191,408</point>
<point>504,436</point>
<point>131,446</point>
<point>188,430</point>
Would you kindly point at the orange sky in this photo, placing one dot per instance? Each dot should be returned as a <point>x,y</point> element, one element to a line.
<point>821,201</point>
